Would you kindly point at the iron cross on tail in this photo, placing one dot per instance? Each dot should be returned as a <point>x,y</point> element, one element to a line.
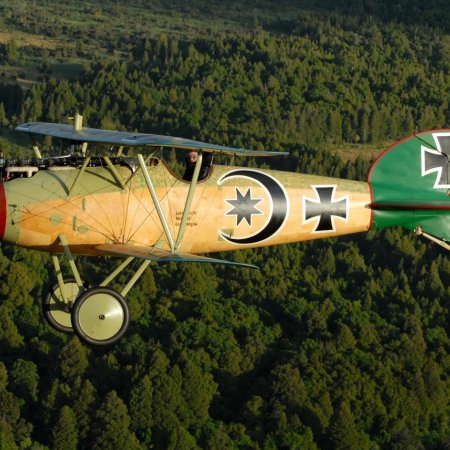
<point>112,195</point>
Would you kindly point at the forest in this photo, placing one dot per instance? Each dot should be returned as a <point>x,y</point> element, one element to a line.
<point>332,344</point>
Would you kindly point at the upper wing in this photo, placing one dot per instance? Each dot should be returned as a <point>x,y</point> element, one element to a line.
<point>124,138</point>
<point>157,254</point>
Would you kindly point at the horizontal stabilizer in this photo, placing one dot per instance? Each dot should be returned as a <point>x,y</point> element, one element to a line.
<point>160,255</point>
<point>124,138</point>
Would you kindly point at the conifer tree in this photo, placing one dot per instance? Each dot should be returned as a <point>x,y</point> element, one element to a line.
<point>343,432</point>
<point>141,399</point>
<point>73,359</point>
<point>83,407</point>
<point>3,376</point>
<point>6,436</point>
<point>111,428</point>
<point>24,379</point>
<point>65,432</point>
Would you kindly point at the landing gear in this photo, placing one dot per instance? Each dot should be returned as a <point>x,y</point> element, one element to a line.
<point>57,305</point>
<point>100,316</point>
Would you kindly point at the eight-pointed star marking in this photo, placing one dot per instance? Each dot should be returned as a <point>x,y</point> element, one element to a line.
<point>244,206</point>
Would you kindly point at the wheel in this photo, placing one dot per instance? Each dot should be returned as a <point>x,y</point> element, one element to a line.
<point>57,309</point>
<point>100,316</point>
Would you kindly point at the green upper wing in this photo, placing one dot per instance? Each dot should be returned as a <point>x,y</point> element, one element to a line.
<point>64,131</point>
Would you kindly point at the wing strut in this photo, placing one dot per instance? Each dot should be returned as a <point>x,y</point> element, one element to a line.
<point>187,205</point>
<point>135,277</point>
<point>190,196</point>
<point>114,172</point>
<point>156,202</point>
<point>116,272</point>
<point>80,174</point>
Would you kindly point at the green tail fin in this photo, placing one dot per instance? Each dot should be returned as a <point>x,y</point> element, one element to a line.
<point>410,185</point>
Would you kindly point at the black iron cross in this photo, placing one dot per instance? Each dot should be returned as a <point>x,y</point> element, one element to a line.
<point>325,208</point>
<point>438,161</point>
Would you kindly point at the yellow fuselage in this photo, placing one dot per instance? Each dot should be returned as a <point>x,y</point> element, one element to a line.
<point>233,208</point>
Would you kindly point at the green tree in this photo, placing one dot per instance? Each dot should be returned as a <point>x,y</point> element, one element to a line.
<point>65,432</point>
<point>83,407</point>
<point>73,359</point>
<point>141,399</point>
<point>24,379</point>
<point>343,433</point>
<point>10,337</point>
<point>11,420</point>
<point>111,428</point>
<point>17,285</point>
<point>3,118</point>
<point>11,51</point>
<point>3,376</point>
<point>6,436</point>
<point>181,438</point>
<point>198,390</point>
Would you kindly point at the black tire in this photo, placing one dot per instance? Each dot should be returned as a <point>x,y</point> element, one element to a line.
<point>100,316</point>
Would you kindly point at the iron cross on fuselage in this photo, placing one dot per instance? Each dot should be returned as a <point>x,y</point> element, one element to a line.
<point>438,161</point>
<point>325,208</point>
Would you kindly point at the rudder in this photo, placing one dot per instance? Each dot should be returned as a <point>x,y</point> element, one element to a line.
<point>410,185</point>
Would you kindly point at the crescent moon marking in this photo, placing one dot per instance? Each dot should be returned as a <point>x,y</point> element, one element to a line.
<point>279,205</point>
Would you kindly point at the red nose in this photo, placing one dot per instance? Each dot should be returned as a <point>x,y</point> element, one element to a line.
<point>2,210</point>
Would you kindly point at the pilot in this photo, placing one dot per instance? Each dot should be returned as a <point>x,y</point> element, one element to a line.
<point>191,159</point>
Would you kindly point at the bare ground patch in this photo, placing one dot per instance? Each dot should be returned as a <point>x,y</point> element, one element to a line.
<point>35,40</point>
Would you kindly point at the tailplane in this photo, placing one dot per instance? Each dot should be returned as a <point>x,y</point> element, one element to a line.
<point>410,186</point>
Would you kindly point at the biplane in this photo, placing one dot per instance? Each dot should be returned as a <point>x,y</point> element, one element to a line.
<point>113,195</point>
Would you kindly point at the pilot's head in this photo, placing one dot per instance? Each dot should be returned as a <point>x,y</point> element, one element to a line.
<point>192,156</point>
